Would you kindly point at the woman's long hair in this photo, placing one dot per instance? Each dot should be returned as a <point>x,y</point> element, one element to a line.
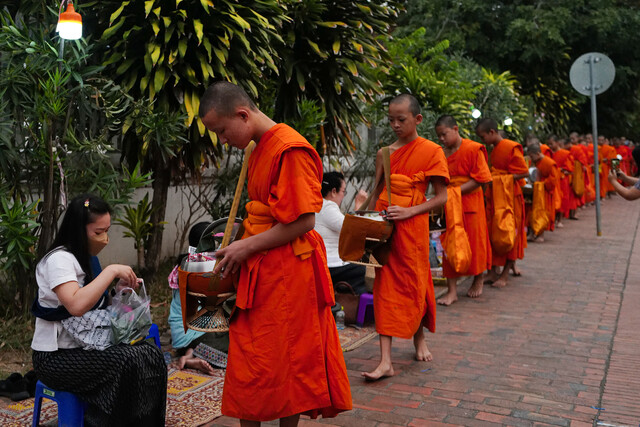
<point>72,234</point>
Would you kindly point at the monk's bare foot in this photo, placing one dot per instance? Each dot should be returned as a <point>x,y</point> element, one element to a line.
<point>560,225</point>
<point>422,351</point>
<point>537,239</point>
<point>491,277</point>
<point>500,283</point>
<point>476,289</point>
<point>448,299</point>
<point>515,271</point>
<point>382,371</point>
<point>201,365</point>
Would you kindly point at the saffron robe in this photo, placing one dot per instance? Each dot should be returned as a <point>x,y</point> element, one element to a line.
<point>564,160</point>
<point>284,352</point>
<point>546,150</point>
<point>590,194</point>
<point>548,174</point>
<point>625,163</point>
<point>607,153</point>
<point>507,158</point>
<point>581,157</point>
<point>470,161</point>
<point>403,294</point>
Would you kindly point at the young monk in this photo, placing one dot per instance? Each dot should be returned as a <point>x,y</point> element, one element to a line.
<point>607,153</point>
<point>565,162</point>
<point>469,169</point>
<point>285,357</point>
<point>547,173</point>
<point>403,295</point>
<point>506,158</point>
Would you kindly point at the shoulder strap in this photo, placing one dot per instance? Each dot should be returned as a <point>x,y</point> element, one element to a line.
<point>386,165</point>
<point>236,198</point>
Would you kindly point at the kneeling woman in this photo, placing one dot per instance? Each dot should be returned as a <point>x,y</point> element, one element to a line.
<point>122,384</point>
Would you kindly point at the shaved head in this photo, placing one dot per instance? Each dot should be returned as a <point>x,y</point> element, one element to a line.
<point>447,121</point>
<point>486,125</point>
<point>533,148</point>
<point>224,98</point>
<point>414,105</point>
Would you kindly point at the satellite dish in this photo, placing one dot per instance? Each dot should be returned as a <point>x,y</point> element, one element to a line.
<point>604,72</point>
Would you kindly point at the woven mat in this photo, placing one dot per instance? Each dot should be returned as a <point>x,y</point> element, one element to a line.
<point>353,336</point>
<point>193,399</point>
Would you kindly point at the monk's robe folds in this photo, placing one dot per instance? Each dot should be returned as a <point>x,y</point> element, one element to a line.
<point>548,174</point>
<point>284,352</point>
<point>507,158</point>
<point>539,217</point>
<point>403,295</point>
<point>564,160</point>
<point>455,242</point>
<point>470,161</point>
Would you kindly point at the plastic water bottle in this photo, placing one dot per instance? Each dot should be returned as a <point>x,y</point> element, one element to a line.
<point>340,319</point>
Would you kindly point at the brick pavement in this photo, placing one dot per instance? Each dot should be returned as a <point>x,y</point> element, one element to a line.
<point>550,349</point>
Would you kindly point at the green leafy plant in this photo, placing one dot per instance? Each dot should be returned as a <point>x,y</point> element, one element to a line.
<point>18,238</point>
<point>137,222</point>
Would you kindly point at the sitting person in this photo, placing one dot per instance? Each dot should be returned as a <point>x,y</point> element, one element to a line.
<point>628,193</point>
<point>329,223</point>
<point>185,343</point>
<point>122,384</point>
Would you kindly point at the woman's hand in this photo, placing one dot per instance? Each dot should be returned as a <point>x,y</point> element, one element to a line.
<point>232,257</point>
<point>124,273</point>
<point>398,213</point>
<point>613,175</point>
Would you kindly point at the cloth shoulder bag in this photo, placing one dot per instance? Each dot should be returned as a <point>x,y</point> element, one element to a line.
<point>578,179</point>
<point>539,216</point>
<point>503,222</point>
<point>455,241</point>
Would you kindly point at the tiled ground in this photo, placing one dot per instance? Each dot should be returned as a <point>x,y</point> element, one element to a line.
<point>560,345</point>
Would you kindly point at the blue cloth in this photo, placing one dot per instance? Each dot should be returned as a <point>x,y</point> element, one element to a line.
<point>178,338</point>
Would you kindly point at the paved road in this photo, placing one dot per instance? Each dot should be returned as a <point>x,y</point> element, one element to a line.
<point>560,345</point>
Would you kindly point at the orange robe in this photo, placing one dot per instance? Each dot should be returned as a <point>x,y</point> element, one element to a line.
<point>403,295</point>
<point>284,352</point>
<point>590,194</point>
<point>548,173</point>
<point>546,150</point>
<point>607,153</point>
<point>507,158</point>
<point>625,163</point>
<point>580,156</point>
<point>564,160</point>
<point>470,161</point>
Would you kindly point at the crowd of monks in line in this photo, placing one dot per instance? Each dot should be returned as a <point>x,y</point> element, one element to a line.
<point>561,182</point>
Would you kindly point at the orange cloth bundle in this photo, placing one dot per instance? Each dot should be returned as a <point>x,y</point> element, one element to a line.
<point>455,240</point>
<point>578,179</point>
<point>503,223</point>
<point>539,216</point>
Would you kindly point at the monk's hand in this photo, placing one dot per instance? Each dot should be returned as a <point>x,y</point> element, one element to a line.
<point>398,213</point>
<point>232,257</point>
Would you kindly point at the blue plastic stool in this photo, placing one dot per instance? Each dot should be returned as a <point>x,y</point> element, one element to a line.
<point>70,407</point>
<point>155,334</point>
<point>366,300</point>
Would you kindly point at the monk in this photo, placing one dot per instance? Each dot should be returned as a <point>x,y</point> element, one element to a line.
<point>548,174</point>
<point>285,357</point>
<point>403,294</point>
<point>588,149</point>
<point>579,169</point>
<point>469,169</point>
<point>607,153</point>
<point>506,158</point>
<point>582,162</point>
<point>565,162</point>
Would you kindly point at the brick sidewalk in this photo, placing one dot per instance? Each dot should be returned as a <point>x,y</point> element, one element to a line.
<point>553,347</point>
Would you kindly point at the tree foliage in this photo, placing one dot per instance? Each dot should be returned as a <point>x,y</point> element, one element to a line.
<point>537,41</point>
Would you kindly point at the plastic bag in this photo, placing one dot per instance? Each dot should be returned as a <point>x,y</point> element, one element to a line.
<point>130,315</point>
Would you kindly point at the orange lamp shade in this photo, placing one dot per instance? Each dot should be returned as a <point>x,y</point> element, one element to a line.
<point>70,24</point>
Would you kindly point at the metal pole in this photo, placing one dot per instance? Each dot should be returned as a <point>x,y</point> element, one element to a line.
<point>594,131</point>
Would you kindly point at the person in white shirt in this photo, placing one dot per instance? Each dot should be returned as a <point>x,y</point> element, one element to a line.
<point>329,223</point>
<point>72,348</point>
